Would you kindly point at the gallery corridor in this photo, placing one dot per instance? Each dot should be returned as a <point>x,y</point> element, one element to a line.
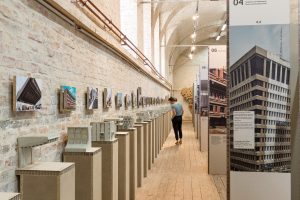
<point>180,172</point>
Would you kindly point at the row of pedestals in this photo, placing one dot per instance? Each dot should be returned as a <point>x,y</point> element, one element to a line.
<point>110,170</point>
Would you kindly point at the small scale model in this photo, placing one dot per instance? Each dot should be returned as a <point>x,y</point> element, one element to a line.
<point>143,116</point>
<point>127,123</point>
<point>103,131</point>
<point>79,139</point>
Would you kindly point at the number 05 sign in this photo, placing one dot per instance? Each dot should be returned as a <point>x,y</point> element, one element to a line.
<point>262,12</point>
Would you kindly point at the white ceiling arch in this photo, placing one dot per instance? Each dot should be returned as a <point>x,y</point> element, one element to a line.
<point>176,24</point>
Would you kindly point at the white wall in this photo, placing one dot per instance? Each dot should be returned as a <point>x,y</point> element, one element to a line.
<point>184,74</point>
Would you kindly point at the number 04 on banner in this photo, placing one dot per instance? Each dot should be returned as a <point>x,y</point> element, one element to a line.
<point>253,12</point>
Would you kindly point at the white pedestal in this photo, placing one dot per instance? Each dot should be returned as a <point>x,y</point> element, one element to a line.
<point>150,143</point>
<point>140,154</point>
<point>146,148</point>
<point>153,140</point>
<point>47,181</point>
<point>87,164</point>
<point>260,186</point>
<point>109,168</point>
<point>217,154</point>
<point>124,183</point>
<point>204,134</point>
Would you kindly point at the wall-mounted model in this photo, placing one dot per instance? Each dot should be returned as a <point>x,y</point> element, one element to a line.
<point>107,97</point>
<point>103,131</point>
<point>79,139</point>
<point>67,98</point>
<point>27,94</point>
<point>119,99</point>
<point>92,98</point>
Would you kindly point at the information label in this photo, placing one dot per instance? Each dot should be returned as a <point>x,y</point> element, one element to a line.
<point>244,130</point>
<point>259,12</point>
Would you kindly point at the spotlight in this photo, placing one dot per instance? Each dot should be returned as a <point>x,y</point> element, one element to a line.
<point>195,16</point>
<point>194,35</point>
<point>191,56</point>
<point>218,38</point>
<point>193,48</point>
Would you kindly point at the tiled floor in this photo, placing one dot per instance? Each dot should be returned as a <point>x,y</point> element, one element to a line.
<point>180,172</point>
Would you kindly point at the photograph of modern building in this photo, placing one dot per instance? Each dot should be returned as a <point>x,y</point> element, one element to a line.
<point>217,100</point>
<point>133,99</point>
<point>260,82</point>
<point>92,98</point>
<point>69,98</point>
<point>119,99</point>
<point>28,94</point>
<point>139,97</point>
<point>107,97</point>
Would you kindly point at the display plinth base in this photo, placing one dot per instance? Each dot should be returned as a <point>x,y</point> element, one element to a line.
<point>123,139</point>
<point>88,173</point>
<point>154,138</point>
<point>47,181</point>
<point>260,186</point>
<point>204,134</point>
<point>157,136</point>
<point>161,133</point>
<point>217,154</point>
<point>150,142</point>
<point>133,162</point>
<point>140,154</point>
<point>146,148</point>
<point>109,168</point>
<point>10,196</point>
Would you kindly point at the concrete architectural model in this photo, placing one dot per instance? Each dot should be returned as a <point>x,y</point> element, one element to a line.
<point>143,116</point>
<point>127,123</point>
<point>79,139</point>
<point>103,131</point>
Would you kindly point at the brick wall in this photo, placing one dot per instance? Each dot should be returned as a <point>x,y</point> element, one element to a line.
<point>37,43</point>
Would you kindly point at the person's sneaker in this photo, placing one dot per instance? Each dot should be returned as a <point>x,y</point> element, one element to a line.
<point>176,142</point>
<point>180,142</point>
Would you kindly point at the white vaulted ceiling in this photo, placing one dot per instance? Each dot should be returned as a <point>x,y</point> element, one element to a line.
<point>176,24</point>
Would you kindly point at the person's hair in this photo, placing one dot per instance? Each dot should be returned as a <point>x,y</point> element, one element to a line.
<point>172,99</point>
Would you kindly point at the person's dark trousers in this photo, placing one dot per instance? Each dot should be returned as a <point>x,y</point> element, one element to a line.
<point>177,126</point>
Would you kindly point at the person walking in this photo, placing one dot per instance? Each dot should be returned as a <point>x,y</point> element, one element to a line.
<point>177,112</point>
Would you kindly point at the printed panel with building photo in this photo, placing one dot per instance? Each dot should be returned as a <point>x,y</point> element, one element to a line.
<point>217,89</point>
<point>260,73</point>
<point>27,94</point>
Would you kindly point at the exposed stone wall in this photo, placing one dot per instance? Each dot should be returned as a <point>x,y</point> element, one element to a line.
<point>35,42</point>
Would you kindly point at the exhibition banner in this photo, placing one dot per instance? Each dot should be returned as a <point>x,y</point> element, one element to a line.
<point>217,89</point>
<point>203,90</point>
<point>259,91</point>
